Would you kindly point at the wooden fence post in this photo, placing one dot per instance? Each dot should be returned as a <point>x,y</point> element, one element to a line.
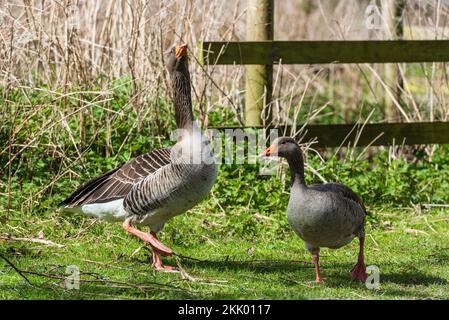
<point>259,78</point>
<point>399,22</point>
<point>393,11</point>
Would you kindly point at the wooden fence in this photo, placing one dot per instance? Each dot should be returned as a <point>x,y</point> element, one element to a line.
<point>260,55</point>
<point>323,52</point>
<point>373,134</point>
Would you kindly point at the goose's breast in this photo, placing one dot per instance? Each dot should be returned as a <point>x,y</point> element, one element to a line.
<point>194,188</point>
<point>321,221</point>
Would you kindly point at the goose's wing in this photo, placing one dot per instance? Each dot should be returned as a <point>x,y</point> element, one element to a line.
<point>341,190</point>
<point>351,211</point>
<point>117,183</point>
<point>155,190</point>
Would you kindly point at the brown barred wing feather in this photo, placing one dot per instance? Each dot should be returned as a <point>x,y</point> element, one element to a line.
<point>117,183</point>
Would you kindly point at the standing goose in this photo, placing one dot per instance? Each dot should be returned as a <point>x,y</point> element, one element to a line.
<point>323,215</point>
<point>156,186</point>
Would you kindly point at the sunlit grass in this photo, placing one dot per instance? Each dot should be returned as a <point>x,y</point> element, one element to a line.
<point>409,248</point>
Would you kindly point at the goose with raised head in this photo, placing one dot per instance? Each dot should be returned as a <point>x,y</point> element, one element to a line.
<point>323,215</point>
<point>156,186</point>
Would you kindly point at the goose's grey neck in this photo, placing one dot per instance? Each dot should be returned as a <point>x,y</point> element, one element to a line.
<point>182,99</point>
<point>296,163</point>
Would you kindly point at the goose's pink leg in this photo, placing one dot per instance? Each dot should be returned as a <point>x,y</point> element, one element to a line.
<point>157,263</point>
<point>148,238</point>
<point>156,246</point>
<point>358,272</point>
<point>316,262</point>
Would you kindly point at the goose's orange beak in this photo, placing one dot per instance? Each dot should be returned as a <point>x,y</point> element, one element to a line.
<point>181,51</point>
<point>267,152</point>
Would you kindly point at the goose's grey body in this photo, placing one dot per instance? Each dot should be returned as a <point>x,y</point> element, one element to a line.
<point>323,215</point>
<point>156,186</point>
<point>176,187</point>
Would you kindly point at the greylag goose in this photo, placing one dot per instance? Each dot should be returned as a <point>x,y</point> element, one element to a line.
<point>156,186</point>
<point>323,215</point>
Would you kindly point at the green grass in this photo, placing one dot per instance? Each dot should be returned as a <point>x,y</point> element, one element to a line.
<point>239,236</point>
<point>410,248</point>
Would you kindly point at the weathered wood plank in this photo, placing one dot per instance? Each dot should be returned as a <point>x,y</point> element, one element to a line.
<point>335,135</point>
<point>258,78</point>
<point>323,52</point>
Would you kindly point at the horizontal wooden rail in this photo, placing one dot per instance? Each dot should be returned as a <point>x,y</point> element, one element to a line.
<point>377,134</point>
<point>323,52</point>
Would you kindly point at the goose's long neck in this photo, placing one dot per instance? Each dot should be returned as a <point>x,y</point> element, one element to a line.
<point>182,100</point>
<point>190,139</point>
<point>296,164</point>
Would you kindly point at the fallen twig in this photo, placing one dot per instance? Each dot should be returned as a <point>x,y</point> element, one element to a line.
<point>415,231</point>
<point>190,258</point>
<point>16,270</point>
<point>298,282</point>
<point>433,205</point>
<point>34,240</point>
<point>184,273</point>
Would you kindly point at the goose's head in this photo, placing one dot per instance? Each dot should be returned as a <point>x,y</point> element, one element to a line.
<point>176,59</point>
<point>284,147</point>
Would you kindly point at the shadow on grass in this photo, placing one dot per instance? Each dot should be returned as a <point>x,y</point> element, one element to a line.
<point>336,273</point>
<point>262,265</point>
<point>414,277</point>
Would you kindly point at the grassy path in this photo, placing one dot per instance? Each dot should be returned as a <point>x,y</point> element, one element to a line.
<point>410,249</point>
